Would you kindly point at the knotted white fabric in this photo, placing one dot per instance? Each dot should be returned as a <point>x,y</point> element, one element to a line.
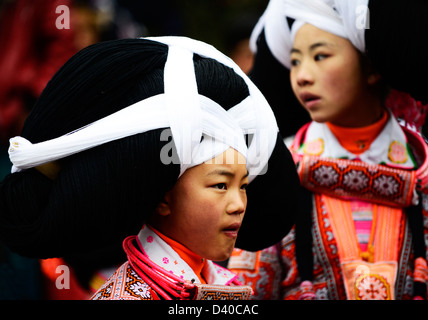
<point>344,18</point>
<point>201,129</point>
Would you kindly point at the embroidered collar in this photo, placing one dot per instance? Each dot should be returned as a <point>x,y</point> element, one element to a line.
<point>358,140</point>
<point>195,262</point>
<point>160,253</point>
<point>389,148</point>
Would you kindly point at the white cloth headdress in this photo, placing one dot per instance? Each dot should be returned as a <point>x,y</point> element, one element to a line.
<point>344,18</point>
<point>201,129</point>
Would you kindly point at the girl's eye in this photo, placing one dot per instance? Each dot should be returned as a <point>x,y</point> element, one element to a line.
<point>294,62</point>
<point>319,57</point>
<point>244,186</point>
<point>221,186</point>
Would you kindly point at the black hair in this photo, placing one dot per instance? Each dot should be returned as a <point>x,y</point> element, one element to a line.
<point>394,44</point>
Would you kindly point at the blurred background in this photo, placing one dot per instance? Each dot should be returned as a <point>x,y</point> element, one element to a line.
<point>38,36</point>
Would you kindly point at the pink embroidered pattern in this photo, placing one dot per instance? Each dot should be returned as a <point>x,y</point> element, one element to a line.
<point>149,239</point>
<point>397,152</point>
<point>372,287</point>
<point>165,260</point>
<point>314,148</point>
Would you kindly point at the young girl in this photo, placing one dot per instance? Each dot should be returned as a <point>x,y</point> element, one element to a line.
<point>158,139</point>
<point>362,237</point>
<point>388,32</point>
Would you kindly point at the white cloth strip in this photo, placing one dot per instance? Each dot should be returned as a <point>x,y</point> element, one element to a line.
<point>355,19</point>
<point>145,115</point>
<point>182,103</point>
<point>229,133</point>
<point>142,116</point>
<point>317,13</point>
<point>265,129</point>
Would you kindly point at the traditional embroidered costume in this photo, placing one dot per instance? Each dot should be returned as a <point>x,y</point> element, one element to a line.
<point>154,271</point>
<point>361,229</point>
<point>366,236</point>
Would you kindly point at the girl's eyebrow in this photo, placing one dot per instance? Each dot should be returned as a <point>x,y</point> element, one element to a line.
<point>223,172</point>
<point>312,47</point>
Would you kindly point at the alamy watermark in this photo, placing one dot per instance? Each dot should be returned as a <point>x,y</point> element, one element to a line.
<point>63,20</point>
<point>208,150</point>
<point>63,280</point>
<point>362,17</point>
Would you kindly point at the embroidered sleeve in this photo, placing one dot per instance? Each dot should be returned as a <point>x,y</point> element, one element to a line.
<point>261,270</point>
<point>124,284</point>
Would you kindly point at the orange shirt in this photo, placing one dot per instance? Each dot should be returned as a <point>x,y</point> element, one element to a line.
<point>358,140</point>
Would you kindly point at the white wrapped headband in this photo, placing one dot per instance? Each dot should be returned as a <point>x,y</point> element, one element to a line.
<point>344,18</point>
<point>190,116</point>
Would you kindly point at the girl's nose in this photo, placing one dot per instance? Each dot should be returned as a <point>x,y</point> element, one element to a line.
<point>237,202</point>
<point>304,75</point>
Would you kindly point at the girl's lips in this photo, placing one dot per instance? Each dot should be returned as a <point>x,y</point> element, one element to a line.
<point>309,100</point>
<point>232,230</point>
<point>310,104</point>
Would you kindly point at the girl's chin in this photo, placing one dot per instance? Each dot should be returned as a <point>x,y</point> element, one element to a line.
<point>221,256</point>
<point>318,116</point>
<point>319,119</point>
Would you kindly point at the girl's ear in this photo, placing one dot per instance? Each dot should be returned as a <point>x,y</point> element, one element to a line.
<point>163,208</point>
<point>373,77</point>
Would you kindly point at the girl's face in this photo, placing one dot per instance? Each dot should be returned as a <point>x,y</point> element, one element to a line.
<point>328,79</point>
<point>205,208</point>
